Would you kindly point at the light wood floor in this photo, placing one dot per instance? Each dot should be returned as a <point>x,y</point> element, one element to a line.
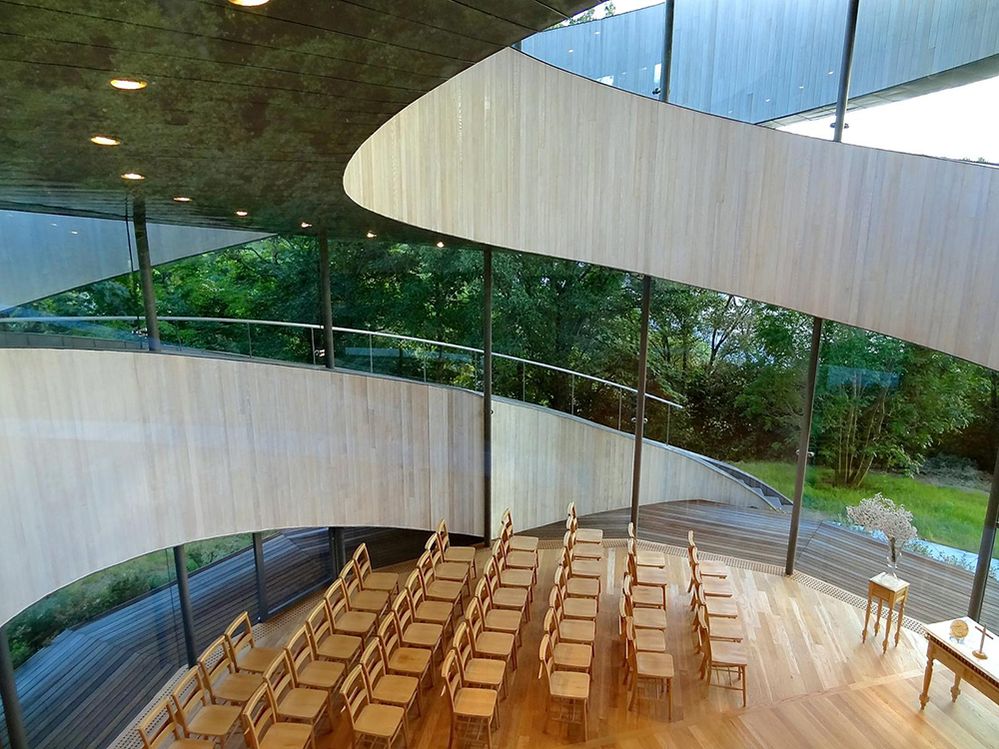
<point>812,683</point>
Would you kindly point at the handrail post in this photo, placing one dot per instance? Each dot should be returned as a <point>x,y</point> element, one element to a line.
<point>184,595</point>
<point>803,441</point>
<point>8,694</point>
<point>487,393</point>
<point>326,297</point>
<point>845,69</point>
<point>986,548</point>
<point>643,358</point>
<point>145,273</point>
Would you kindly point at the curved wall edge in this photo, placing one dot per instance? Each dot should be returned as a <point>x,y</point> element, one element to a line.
<point>517,154</point>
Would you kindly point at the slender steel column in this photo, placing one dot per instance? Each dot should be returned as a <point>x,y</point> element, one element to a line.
<point>338,553</point>
<point>664,75</point>
<point>487,394</point>
<point>845,69</point>
<point>803,441</point>
<point>146,273</point>
<point>643,359</point>
<point>8,693</point>
<point>258,566</point>
<point>184,594</point>
<point>985,550</point>
<point>326,296</point>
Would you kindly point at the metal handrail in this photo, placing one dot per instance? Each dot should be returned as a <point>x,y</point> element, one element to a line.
<point>355,331</point>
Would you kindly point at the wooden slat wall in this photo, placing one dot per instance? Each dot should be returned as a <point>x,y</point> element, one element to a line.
<point>517,154</point>
<point>109,455</point>
<point>543,460</point>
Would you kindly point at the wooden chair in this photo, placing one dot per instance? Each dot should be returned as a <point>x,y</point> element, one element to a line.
<point>400,659</point>
<point>587,569</point>
<point>309,670</point>
<point>508,598</point>
<point>722,658</point>
<point>192,708</point>
<point>417,634</point>
<point>520,578</point>
<point>473,709</point>
<point>389,689</point>
<point>263,730</point>
<point>709,568</point>
<point>514,558</point>
<point>486,644</point>
<point>372,724</point>
<point>326,642</point>
<point>424,610</point>
<point>294,702</point>
<point>160,729</point>
<point>568,691</point>
<point>578,631</point>
<point>569,656</point>
<point>716,608</point>
<point>359,599</point>
<point>581,549</point>
<point>644,617</point>
<point>243,650</point>
<point>488,673</point>
<point>644,558</point>
<point>497,619</point>
<point>711,587</point>
<point>573,608</point>
<point>456,554</point>
<point>371,580</point>
<point>436,589</point>
<point>648,577</point>
<point>221,679</point>
<point>577,587</point>
<point>343,618</point>
<point>584,535</point>
<point>718,629</point>
<point>518,542</point>
<point>455,572</point>
<point>649,671</point>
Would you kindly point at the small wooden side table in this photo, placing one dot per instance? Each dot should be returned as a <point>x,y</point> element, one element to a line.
<point>891,591</point>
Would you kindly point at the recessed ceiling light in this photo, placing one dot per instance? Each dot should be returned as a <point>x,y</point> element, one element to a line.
<point>128,84</point>
<point>74,232</point>
<point>370,235</point>
<point>242,214</point>
<point>105,140</point>
<point>305,225</point>
<point>182,199</point>
<point>132,175</point>
<point>440,245</point>
<point>249,3</point>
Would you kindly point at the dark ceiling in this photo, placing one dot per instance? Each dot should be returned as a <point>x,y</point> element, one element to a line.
<point>256,109</point>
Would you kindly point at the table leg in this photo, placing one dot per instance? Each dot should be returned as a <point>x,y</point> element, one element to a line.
<point>927,677</point>
<point>891,610</point>
<point>867,619</point>
<point>901,619</point>
<point>956,689</point>
<point>877,622</point>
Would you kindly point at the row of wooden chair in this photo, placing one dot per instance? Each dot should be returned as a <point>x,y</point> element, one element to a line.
<point>716,625</point>
<point>648,667</point>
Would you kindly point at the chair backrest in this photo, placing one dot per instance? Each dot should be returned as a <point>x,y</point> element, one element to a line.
<point>690,538</point>
<point>551,624</point>
<point>258,716</point>
<point>356,695</point>
<point>570,510</point>
<point>415,591</point>
<point>239,635</point>
<point>389,633</point>
<point>703,634</point>
<point>159,728</point>
<point>336,592</point>
<point>507,519</point>
<point>443,535</point>
<point>559,577</point>
<point>425,566</point>
<point>483,594</point>
<point>632,565</point>
<point>695,573</point>
<point>214,663</point>
<point>300,650</point>
<point>556,599</point>
<point>475,617</point>
<point>436,555</point>
<point>491,575</point>
<point>351,583</point>
<point>363,560</point>
<point>631,530</point>
<point>280,677</point>
<point>627,589</point>
<point>546,655</point>
<point>373,663</point>
<point>630,651</point>
<point>451,671</point>
<point>462,645</point>
<point>402,607</point>
<point>498,550</point>
<point>318,625</point>
<point>188,697</point>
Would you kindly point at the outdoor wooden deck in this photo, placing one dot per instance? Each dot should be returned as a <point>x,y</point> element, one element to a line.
<point>827,551</point>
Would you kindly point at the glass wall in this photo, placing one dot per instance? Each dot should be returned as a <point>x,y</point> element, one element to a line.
<point>223,583</point>
<point>297,561</point>
<point>103,645</point>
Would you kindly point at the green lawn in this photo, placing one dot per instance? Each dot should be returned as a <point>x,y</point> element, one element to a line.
<point>946,515</point>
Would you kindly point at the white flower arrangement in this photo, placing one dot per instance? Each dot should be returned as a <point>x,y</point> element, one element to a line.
<point>882,515</point>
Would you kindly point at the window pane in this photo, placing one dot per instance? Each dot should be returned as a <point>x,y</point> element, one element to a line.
<point>296,561</point>
<point>223,584</point>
